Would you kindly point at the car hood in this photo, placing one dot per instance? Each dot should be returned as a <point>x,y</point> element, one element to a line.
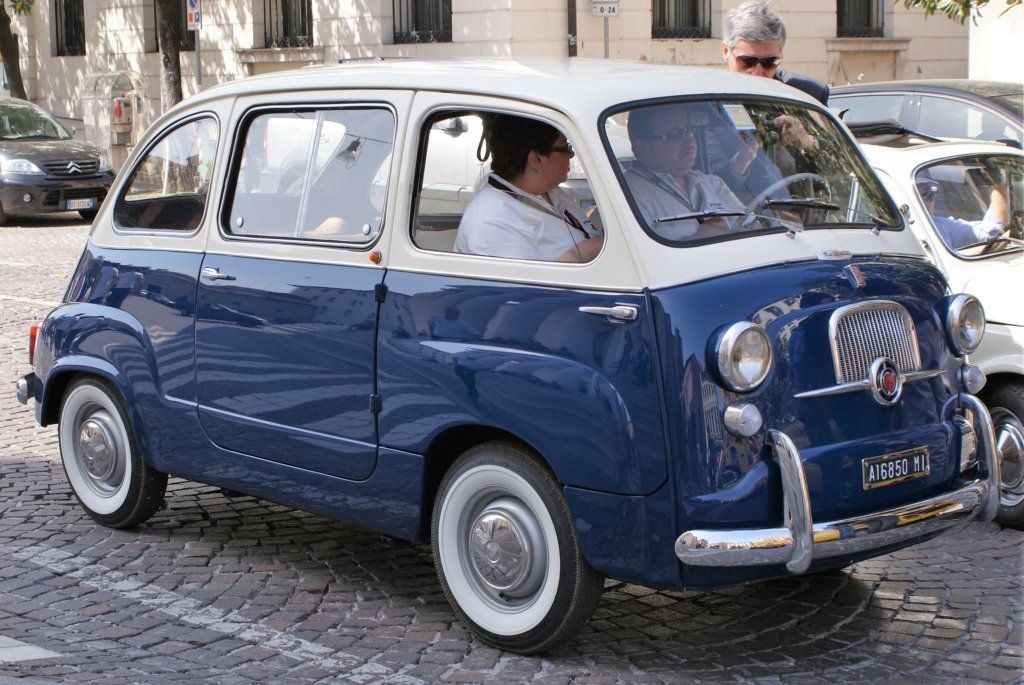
<point>42,150</point>
<point>995,287</point>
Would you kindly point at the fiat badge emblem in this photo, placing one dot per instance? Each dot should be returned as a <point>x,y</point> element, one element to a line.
<point>885,381</point>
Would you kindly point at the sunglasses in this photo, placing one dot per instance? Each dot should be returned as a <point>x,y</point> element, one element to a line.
<point>928,191</point>
<point>564,149</point>
<point>749,62</point>
<point>673,135</point>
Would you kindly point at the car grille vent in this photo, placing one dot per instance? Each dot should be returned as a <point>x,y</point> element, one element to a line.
<point>57,199</point>
<point>71,168</point>
<point>864,332</point>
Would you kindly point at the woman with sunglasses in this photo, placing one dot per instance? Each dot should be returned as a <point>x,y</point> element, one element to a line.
<point>753,42</point>
<point>520,212</point>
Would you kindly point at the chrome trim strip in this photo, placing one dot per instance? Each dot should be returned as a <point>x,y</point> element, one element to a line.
<point>854,386</point>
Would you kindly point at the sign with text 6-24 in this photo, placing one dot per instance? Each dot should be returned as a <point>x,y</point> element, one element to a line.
<point>194,14</point>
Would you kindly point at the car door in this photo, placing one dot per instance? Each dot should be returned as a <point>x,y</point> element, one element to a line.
<point>286,306</point>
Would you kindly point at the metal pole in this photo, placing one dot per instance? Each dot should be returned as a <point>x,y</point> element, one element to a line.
<point>606,37</point>
<point>199,64</point>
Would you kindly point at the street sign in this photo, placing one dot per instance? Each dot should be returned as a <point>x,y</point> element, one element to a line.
<point>194,14</point>
<point>604,8</point>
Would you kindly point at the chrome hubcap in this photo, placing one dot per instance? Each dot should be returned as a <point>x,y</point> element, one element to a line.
<point>100,452</point>
<point>1010,450</point>
<point>504,551</point>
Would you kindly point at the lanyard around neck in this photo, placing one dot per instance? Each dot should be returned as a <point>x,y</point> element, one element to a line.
<point>672,190</point>
<point>566,217</point>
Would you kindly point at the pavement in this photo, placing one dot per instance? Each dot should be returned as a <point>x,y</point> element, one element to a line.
<point>237,590</point>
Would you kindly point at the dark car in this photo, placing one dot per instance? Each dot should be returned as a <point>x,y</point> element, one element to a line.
<point>951,108</point>
<point>43,169</point>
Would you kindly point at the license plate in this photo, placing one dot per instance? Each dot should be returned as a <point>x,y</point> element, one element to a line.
<point>895,468</point>
<point>85,203</point>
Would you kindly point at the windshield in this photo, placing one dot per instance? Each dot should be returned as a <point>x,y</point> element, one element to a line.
<point>699,171</point>
<point>975,203</point>
<point>26,121</point>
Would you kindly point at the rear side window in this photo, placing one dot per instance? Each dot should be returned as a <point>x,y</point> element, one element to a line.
<point>168,187</point>
<point>317,174</point>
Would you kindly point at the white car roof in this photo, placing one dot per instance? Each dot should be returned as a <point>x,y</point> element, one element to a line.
<point>906,159</point>
<point>559,83</point>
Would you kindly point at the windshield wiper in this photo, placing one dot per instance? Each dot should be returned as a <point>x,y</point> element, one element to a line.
<point>700,217</point>
<point>801,203</point>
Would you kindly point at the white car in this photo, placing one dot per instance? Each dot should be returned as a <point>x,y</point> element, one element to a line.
<point>959,174</point>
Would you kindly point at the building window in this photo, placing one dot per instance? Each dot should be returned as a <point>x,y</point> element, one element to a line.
<point>423,21</point>
<point>681,19</point>
<point>288,23</point>
<point>69,22</point>
<point>859,18</point>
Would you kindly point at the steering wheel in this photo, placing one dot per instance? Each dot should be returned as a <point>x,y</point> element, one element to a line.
<point>782,183</point>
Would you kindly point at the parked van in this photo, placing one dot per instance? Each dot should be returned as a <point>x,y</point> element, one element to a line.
<point>721,395</point>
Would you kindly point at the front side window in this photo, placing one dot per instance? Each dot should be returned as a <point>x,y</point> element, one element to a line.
<point>288,23</point>
<point>423,21</point>
<point>681,19</point>
<point>497,184</point>
<point>69,26</point>
<point>710,170</point>
<point>859,18</point>
<point>168,187</point>
<point>316,174</point>
<point>976,204</point>
<point>868,108</point>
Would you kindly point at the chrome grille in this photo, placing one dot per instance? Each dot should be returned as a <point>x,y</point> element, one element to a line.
<point>71,168</point>
<point>862,333</point>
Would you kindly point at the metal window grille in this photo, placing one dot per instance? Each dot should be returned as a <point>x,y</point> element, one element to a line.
<point>859,19</point>
<point>287,23</point>
<point>423,21</point>
<point>681,19</point>
<point>69,16</point>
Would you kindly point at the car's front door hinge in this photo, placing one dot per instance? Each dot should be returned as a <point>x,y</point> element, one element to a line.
<point>380,291</point>
<point>375,403</point>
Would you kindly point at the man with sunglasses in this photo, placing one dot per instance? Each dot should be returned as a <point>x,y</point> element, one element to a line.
<point>664,183</point>
<point>753,42</point>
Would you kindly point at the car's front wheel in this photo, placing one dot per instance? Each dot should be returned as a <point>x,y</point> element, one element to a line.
<point>88,214</point>
<point>101,459</point>
<point>1006,404</point>
<point>506,552</point>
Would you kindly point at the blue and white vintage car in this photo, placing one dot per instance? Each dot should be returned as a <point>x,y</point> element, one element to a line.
<point>270,301</point>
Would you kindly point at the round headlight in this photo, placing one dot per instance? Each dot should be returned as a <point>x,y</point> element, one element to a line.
<point>743,356</point>
<point>965,324</point>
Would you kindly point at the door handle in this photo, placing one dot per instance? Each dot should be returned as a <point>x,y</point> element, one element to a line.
<point>620,312</point>
<point>211,273</point>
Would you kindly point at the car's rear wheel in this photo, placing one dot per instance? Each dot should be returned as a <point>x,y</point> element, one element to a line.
<point>1006,404</point>
<point>88,214</point>
<point>506,551</point>
<point>101,459</point>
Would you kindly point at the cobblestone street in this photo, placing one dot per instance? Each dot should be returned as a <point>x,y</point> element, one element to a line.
<point>235,590</point>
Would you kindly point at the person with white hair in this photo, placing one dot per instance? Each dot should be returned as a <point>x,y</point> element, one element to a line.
<point>752,44</point>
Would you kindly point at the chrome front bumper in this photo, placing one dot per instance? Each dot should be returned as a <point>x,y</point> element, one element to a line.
<point>799,540</point>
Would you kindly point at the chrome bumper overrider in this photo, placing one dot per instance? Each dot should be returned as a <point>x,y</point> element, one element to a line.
<point>26,387</point>
<point>799,541</point>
